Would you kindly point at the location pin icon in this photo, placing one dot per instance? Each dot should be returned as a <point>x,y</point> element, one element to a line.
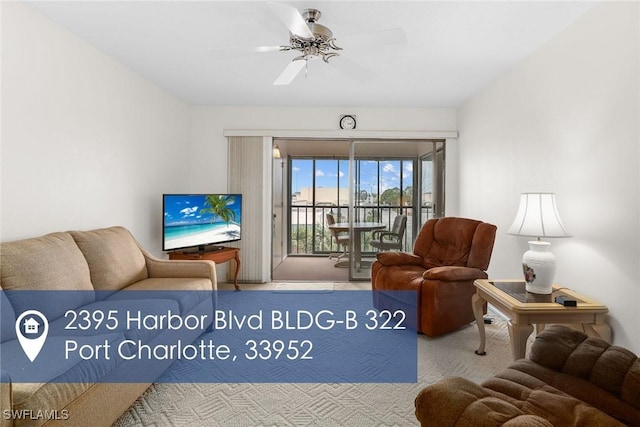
<point>32,328</point>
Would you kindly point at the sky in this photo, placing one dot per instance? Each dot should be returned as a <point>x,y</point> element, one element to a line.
<point>335,173</point>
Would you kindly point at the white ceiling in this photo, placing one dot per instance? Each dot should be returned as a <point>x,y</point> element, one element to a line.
<point>454,48</point>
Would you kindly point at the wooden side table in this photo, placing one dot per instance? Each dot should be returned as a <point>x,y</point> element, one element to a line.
<point>218,256</point>
<point>525,309</point>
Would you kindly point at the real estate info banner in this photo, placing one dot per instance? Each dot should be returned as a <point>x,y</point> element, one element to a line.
<point>196,336</point>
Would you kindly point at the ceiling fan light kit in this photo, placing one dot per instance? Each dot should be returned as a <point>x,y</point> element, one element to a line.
<point>322,42</point>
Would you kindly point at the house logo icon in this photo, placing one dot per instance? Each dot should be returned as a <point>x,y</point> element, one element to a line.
<point>31,326</point>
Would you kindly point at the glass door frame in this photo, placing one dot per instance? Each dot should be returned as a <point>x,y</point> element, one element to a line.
<point>437,157</point>
<point>355,272</point>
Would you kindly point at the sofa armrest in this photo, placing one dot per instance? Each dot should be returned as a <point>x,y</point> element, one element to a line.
<point>613,369</point>
<point>6,399</point>
<point>454,274</point>
<point>456,401</point>
<point>179,269</point>
<point>398,258</point>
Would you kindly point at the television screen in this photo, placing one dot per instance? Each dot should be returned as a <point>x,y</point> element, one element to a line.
<point>200,220</point>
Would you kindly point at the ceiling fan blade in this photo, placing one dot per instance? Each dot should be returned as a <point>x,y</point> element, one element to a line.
<point>237,52</point>
<point>373,39</point>
<point>245,49</point>
<point>290,72</point>
<point>291,18</point>
<point>352,69</point>
<point>266,49</point>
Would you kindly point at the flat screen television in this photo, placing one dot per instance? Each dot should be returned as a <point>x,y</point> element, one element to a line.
<point>200,221</point>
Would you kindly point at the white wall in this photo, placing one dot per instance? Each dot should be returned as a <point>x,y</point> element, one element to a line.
<point>566,120</point>
<point>209,146</point>
<point>86,142</point>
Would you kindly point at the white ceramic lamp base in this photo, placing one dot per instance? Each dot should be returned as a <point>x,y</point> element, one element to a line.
<point>539,267</point>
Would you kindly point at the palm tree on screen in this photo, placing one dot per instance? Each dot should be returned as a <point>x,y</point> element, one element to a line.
<point>218,206</point>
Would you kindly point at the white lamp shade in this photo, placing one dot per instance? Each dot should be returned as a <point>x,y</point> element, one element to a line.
<point>538,216</point>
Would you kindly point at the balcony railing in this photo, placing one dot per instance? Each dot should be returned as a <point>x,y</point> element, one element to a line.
<point>310,235</point>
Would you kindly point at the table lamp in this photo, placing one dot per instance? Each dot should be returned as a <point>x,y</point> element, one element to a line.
<point>538,216</point>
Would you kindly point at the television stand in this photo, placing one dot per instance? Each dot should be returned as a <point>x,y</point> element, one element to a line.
<point>219,255</point>
<point>203,249</point>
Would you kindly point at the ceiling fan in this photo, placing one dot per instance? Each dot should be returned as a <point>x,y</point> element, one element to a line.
<point>313,40</point>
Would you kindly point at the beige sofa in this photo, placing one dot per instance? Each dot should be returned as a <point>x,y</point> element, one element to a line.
<point>104,261</point>
<point>569,380</point>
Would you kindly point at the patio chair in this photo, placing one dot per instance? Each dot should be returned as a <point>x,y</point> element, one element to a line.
<point>387,240</point>
<point>341,239</point>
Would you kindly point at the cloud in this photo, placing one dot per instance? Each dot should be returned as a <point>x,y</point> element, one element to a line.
<point>319,172</point>
<point>189,211</point>
<point>388,167</point>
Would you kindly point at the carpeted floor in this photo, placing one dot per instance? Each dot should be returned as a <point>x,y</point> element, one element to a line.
<point>304,287</point>
<point>310,269</point>
<point>334,404</point>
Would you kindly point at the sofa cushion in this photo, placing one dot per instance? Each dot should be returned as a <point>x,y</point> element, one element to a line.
<point>455,401</point>
<point>525,374</point>
<point>114,258</point>
<point>533,388</point>
<point>604,375</point>
<point>509,399</point>
<point>53,365</point>
<point>177,289</point>
<point>58,392</point>
<point>51,262</point>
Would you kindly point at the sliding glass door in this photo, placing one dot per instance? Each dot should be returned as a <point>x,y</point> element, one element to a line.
<point>367,190</point>
<point>383,189</point>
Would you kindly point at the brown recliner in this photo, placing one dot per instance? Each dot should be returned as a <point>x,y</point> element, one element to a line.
<point>448,255</point>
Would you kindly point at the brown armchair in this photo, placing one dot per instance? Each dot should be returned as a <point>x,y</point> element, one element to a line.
<point>448,255</point>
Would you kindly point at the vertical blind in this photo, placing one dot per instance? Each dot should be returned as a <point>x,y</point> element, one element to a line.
<point>249,174</point>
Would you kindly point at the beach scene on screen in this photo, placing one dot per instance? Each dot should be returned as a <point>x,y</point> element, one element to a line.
<point>202,219</point>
